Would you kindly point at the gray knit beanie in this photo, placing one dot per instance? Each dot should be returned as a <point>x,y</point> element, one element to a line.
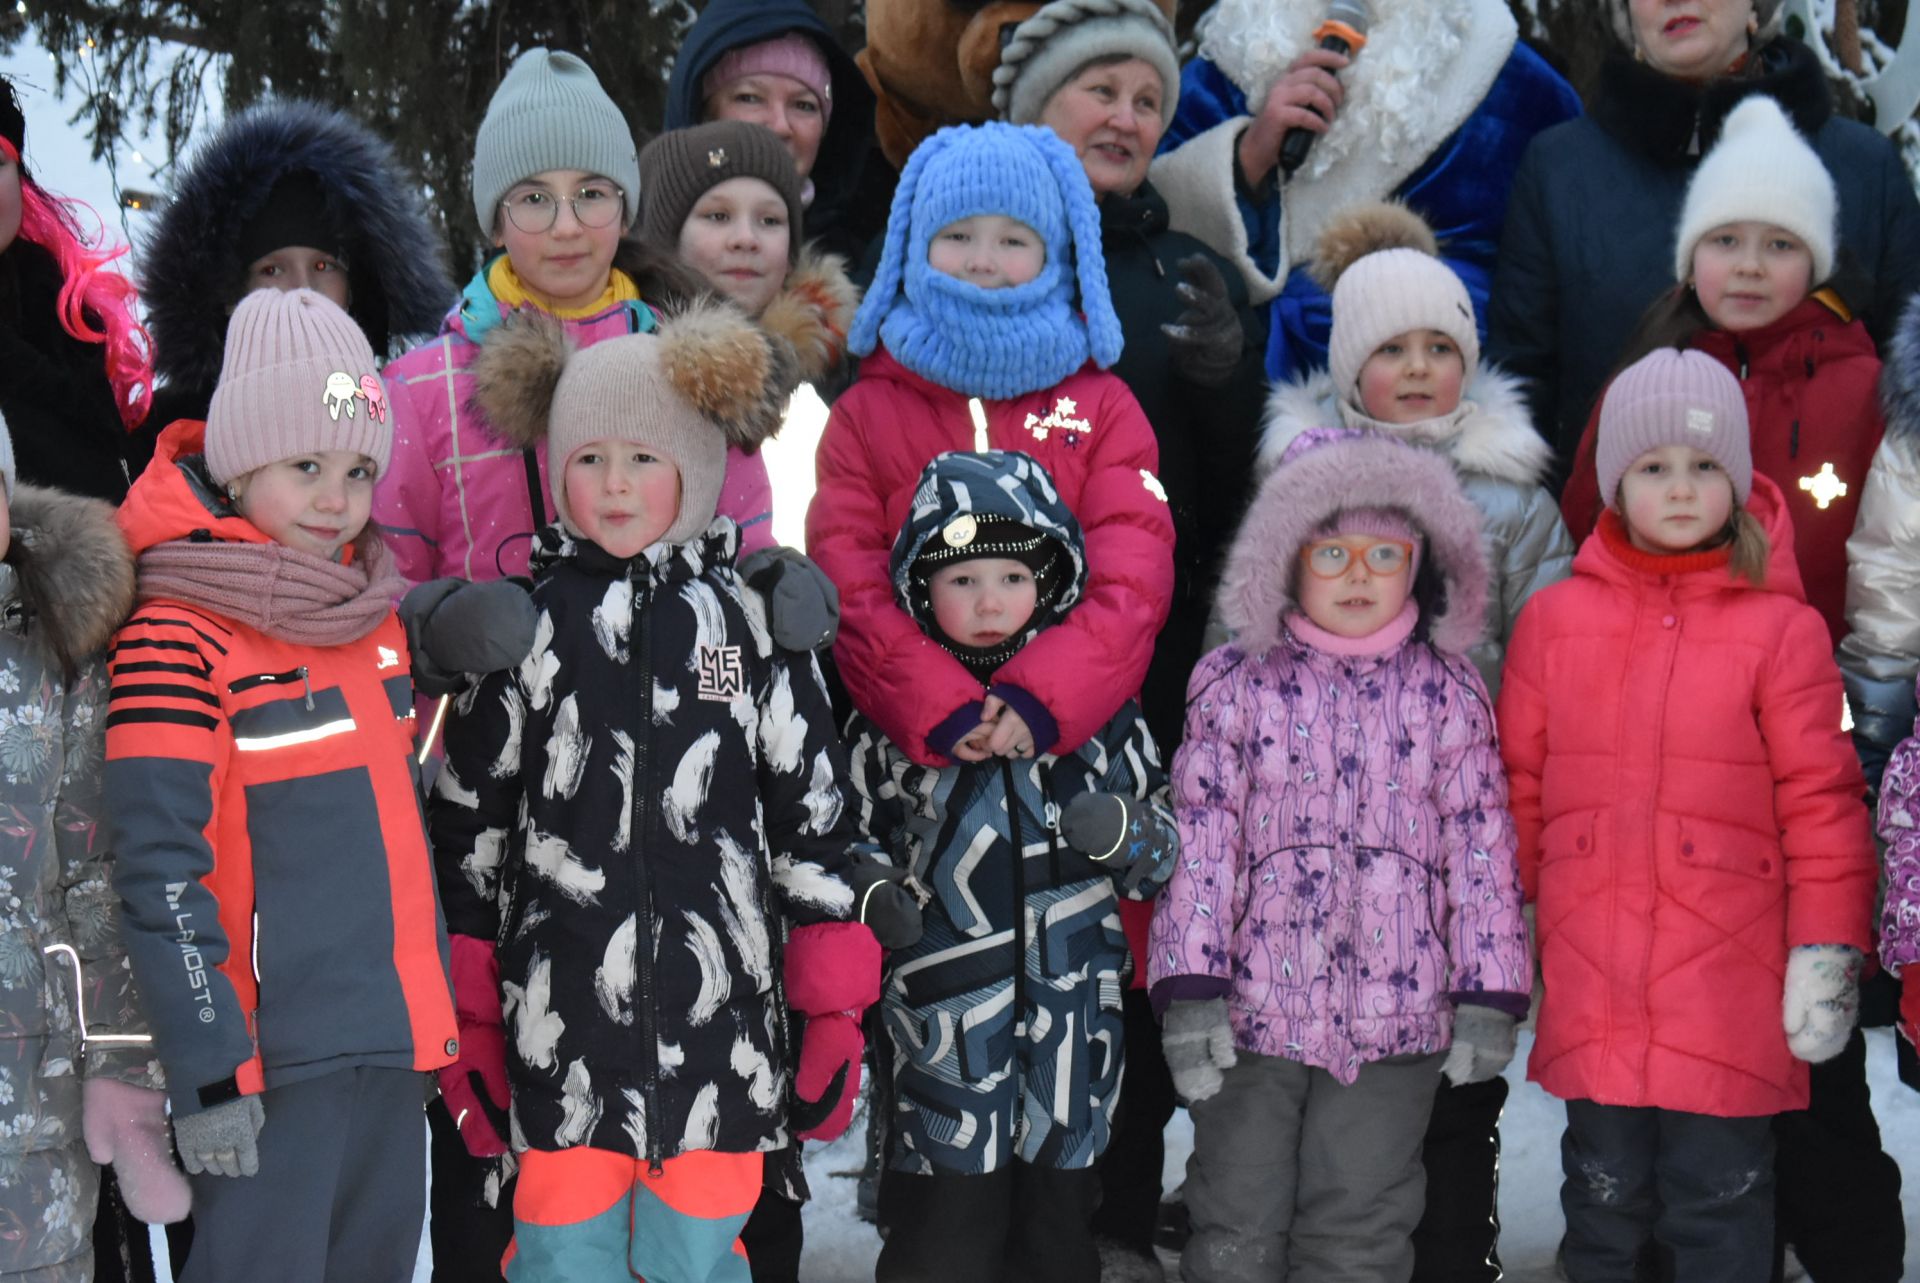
<point>682,165</point>
<point>550,113</point>
<point>298,377</point>
<point>1061,38</point>
<point>1670,397</point>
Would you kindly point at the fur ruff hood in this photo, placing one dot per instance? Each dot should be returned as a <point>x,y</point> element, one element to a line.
<point>1256,589</point>
<point>188,276</point>
<point>1900,383</point>
<point>1493,435</point>
<point>812,311</point>
<point>80,562</point>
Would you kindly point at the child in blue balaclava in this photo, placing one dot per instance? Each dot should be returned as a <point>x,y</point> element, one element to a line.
<point>988,327</point>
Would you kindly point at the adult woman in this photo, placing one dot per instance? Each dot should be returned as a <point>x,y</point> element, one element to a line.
<point>1102,74</point>
<point>1588,241</point>
<point>776,63</point>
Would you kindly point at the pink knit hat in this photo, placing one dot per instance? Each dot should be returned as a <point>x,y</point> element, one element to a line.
<point>298,377</point>
<point>792,55</point>
<point>1670,397</point>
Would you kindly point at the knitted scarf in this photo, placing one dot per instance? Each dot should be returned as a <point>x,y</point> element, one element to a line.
<point>987,343</point>
<point>287,594</point>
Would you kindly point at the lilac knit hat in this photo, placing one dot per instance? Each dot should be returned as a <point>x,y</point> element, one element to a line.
<point>1670,397</point>
<point>298,377</point>
<point>792,55</point>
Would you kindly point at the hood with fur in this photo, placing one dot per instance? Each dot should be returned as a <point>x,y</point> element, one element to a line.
<point>1368,471</point>
<point>395,260</point>
<point>812,311</point>
<point>1492,435</point>
<point>83,566</point>
<point>1900,384</point>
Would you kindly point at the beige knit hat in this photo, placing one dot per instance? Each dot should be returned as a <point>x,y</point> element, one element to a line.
<point>298,377</point>
<point>1670,397</point>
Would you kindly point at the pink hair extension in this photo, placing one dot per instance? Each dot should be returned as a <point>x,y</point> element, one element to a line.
<point>53,223</point>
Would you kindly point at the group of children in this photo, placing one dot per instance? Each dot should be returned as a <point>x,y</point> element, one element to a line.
<point>636,923</point>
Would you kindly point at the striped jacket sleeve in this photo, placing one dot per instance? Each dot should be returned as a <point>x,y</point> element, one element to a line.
<point>168,744</point>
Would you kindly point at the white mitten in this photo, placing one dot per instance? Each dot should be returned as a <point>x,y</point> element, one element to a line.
<point>1822,1000</point>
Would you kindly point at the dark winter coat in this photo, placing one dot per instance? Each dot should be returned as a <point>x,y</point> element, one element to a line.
<point>1588,244</point>
<point>190,278</point>
<point>1007,1012</point>
<point>54,393</point>
<point>655,771</point>
<point>835,220</point>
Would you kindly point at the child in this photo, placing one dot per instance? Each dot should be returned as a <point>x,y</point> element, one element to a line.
<point>1344,922</point>
<point>1405,360</point>
<point>989,301</point>
<point>656,771</point>
<point>280,910</point>
<point>1004,1021</point>
<point>1900,919</point>
<point>1754,262</point>
<point>75,1063</point>
<point>724,198</point>
<point>1691,830</point>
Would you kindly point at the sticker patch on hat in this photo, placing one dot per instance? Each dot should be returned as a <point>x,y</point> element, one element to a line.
<point>343,393</point>
<point>1700,421</point>
<point>716,157</point>
<point>960,531</point>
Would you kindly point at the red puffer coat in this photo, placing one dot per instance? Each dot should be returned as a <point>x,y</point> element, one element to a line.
<point>1091,436</point>
<point>1812,382</point>
<point>1688,811</point>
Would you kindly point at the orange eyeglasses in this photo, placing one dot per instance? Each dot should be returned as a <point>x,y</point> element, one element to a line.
<point>1332,558</point>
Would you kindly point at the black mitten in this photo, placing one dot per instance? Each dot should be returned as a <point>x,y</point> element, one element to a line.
<point>803,606</point>
<point>455,628</point>
<point>1124,836</point>
<point>1207,337</point>
<point>885,904</point>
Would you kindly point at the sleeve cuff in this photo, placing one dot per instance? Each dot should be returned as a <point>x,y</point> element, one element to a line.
<point>1046,731</point>
<point>1187,989</point>
<point>1513,1004</point>
<point>943,737</point>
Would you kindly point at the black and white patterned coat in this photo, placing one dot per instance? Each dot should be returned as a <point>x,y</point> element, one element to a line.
<point>656,769</point>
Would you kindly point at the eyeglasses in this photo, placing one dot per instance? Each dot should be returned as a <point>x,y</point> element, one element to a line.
<point>536,210</point>
<point>1332,558</point>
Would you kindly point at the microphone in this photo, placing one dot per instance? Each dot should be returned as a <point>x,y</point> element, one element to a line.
<point>1344,32</point>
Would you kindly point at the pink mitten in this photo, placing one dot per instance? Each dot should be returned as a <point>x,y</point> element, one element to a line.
<point>832,976</point>
<point>475,1086</point>
<point>127,1126</point>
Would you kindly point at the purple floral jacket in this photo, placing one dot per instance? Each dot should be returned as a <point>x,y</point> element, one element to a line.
<point>1900,830</point>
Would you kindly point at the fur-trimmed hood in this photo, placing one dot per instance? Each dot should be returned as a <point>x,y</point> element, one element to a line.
<point>1900,383</point>
<point>1492,435</point>
<point>812,312</point>
<point>1361,471</point>
<point>82,565</point>
<point>395,259</point>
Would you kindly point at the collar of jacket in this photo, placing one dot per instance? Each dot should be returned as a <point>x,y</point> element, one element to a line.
<point>1143,211</point>
<point>1608,555</point>
<point>1660,116</point>
<point>1753,345</point>
<point>662,563</point>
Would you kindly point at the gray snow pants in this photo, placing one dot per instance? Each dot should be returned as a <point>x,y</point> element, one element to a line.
<point>1295,1176</point>
<point>341,1192</point>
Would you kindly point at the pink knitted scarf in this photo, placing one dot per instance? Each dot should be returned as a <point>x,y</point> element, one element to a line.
<point>291,595</point>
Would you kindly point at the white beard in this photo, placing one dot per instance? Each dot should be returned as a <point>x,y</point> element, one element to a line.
<point>1412,47</point>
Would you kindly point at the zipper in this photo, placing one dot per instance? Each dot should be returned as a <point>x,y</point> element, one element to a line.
<point>240,684</point>
<point>643,942</point>
<point>1019,911</point>
<point>1050,817</point>
<point>1740,355</point>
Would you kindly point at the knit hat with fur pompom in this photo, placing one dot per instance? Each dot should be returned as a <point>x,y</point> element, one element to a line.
<point>1381,263</point>
<point>708,380</point>
<point>1761,170</point>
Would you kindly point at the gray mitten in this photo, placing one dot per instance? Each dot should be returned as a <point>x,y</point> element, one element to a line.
<point>1482,1045</point>
<point>1207,338</point>
<point>221,1141</point>
<point>455,628</point>
<point>803,606</point>
<point>1197,1040</point>
<point>1121,834</point>
<point>885,904</point>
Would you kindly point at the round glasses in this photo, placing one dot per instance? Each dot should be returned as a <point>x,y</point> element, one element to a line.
<point>537,210</point>
<point>1332,558</point>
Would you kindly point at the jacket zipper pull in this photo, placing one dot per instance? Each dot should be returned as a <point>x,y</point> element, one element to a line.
<point>654,1168</point>
<point>1740,354</point>
<point>306,684</point>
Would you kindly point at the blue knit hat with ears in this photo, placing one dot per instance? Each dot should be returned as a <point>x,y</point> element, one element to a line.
<point>994,343</point>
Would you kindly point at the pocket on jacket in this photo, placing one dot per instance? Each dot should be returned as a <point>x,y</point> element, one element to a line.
<point>1725,860</point>
<point>1568,870</point>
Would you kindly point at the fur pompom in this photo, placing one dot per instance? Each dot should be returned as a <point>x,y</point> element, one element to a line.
<point>517,372</point>
<point>1366,229</point>
<point>812,312</point>
<point>728,369</point>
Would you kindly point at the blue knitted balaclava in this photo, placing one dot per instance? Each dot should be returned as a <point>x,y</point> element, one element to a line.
<point>992,343</point>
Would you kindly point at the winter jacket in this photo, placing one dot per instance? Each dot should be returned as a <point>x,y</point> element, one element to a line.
<point>841,223</point>
<point>1812,385</point>
<point>1346,864</point>
<point>657,771</point>
<point>1023,948</point>
<point>60,946</point>
<point>1881,652</point>
<point>1689,811</point>
<point>54,394</point>
<point>1899,828</point>
<point>1589,245</point>
<point>190,278</point>
<point>266,823</point>
<point>1500,461</point>
<point>457,498</point>
<point>1461,125</point>
<point>1089,434</point>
